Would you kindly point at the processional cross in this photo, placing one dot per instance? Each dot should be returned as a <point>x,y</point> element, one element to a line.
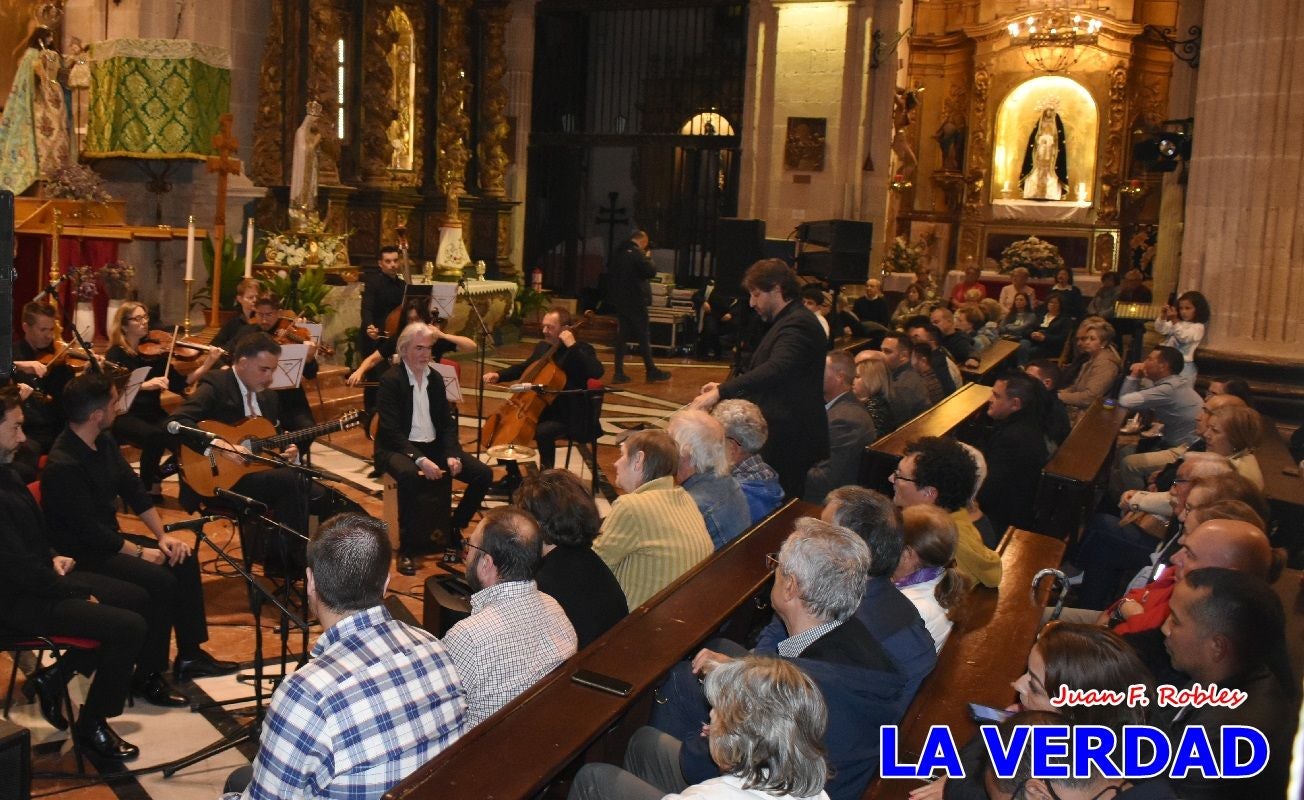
<point>225,144</point>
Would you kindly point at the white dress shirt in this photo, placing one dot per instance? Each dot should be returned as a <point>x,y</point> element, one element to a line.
<point>423,429</point>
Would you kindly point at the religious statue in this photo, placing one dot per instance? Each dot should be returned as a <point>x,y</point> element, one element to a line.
<point>905,109</point>
<point>303,169</point>
<point>34,129</point>
<point>1045,166</point>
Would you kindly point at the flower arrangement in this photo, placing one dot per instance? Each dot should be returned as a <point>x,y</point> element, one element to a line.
<point>1039,257</point>
<point>119,279</point>
<point>76,182</point>
<point>311,247</point>
<point>84,284</point>
<point>904,256</point>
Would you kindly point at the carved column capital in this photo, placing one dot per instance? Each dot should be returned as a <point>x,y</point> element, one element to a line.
<point>454,124</point>
<point>493,100</point>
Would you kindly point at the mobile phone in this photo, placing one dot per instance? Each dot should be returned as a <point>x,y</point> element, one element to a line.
<point>982,714</point>
<point>603,683</point>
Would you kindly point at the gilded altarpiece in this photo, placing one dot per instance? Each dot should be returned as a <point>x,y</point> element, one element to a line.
<point>980,105</point>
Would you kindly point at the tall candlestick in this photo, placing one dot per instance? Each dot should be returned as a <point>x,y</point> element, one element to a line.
<point>190,250</point>
<point>249,249</point>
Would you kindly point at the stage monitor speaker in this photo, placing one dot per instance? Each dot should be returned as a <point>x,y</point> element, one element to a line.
<point>739,243</point>
<point>15,756</point>
<point>838,235</point>
<point>836,268</point>
<point>7,277</point>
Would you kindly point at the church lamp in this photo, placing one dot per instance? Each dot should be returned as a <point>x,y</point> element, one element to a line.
<point>1051,37</point>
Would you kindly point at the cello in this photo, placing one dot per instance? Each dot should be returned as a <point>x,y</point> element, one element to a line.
<point>515,420</point>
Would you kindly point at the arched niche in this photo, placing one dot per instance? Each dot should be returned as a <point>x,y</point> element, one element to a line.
<point>707,123</point>
<point>1016,119</point>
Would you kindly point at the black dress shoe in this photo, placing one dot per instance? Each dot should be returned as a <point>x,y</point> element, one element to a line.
<point>48,686</point>
<point>406,566</point>
<point>96,736</point>
<point>658,375</point>
<point>201,665</point>
<point>619,378</point>
<point>155,689</point>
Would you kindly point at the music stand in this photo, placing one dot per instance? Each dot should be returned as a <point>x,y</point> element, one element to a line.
<point>594,395</point>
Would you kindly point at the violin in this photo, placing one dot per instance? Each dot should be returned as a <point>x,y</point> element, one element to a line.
<point>287,332</point>
<point>64,353</point>
<point>158,343</point>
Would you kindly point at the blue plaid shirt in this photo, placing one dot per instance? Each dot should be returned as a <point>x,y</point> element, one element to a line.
<point>378,699</point>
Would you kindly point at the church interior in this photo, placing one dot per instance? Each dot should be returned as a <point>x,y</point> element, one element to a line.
<point>162,151</point>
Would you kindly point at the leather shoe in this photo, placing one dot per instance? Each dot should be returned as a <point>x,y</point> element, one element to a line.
<point>406,566</point>
<point>155,689</point>
<point>657,376</point>
<point>619,378</point>
<point>48,685</point>
<point>201,665</point>
<point>96,736</point>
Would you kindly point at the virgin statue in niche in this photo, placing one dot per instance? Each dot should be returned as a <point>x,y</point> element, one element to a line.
<point>1045,174</point>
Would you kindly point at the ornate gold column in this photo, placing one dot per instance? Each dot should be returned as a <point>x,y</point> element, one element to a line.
<point>267,167</point>
<point>454,125</point>
<point>493,101</point>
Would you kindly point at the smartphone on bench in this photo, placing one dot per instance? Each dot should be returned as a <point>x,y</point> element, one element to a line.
<point>603,683</point>
<point>986,715</point>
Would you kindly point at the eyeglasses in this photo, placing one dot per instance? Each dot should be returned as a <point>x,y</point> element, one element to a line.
<point>138,318</point>
<point>467,547</point>
<point>897,476</point>
<point>771,561</point>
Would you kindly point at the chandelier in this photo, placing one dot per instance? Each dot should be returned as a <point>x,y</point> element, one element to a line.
<point>1051,37</point>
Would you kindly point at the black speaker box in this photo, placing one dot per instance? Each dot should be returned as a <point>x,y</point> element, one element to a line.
<point>838,235</point>
<point>15,753</point>
<point>834,267</point>
<point>6,285</point>
<point>739,243</point>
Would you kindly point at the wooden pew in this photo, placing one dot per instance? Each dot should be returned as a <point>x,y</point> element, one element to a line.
<point>945,418</point>
<point>1067,491</point>
<point>986,651</point>
<point>519,750</point>
<point>992,362</point>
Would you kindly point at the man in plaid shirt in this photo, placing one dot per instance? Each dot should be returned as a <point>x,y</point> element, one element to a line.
<point>378,699</point>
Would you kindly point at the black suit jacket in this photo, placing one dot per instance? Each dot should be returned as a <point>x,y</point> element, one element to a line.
<point>29,586</point>
<point>628,291</point>
<point>394,400</point>
<point>851,430</point>
<point>381,294</point>
<point>1015,453</point>
<point>785,377</point>
<point>218,398</point>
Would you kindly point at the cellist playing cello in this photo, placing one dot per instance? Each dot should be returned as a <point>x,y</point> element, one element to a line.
<point>569,415</point>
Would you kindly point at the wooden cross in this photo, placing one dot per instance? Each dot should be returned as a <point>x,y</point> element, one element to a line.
<point>225,144</point>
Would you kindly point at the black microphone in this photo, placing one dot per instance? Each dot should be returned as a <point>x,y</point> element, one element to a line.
<point>54,285</point>
<point>191,524</point>
<point>175,428</point>
<point>248,502</point>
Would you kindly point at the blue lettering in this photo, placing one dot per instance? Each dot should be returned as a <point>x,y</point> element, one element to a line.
<point>1005,759</point>
<point>1232,737</point>
<point>1093,745</point>
<point>1152,741</point>
<point>940,755</point>
<point>1050,751</point>
<point>1193,751</point>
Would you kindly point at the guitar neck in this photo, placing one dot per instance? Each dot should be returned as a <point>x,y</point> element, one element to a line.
<point>281,441</point>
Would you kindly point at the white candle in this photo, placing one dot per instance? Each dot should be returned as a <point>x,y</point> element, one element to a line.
<point>1082,191</point>
<point>190,250</point>
<point>1007,186</point>
<point>249,249</point>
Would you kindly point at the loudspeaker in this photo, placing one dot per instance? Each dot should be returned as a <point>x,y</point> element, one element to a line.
<point>838,235</point>
<point>447,602</point>
<point>15,751</point>
<point>834,267</point>
<point>6,285</point>
<point>739,243</point>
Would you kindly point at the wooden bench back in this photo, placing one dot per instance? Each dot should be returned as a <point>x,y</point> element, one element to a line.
<point>992,362</point>
<point>1068,481</point>
<point>945,418</point>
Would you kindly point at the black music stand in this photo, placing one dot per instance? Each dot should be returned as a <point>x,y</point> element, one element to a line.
<point>595,398</point>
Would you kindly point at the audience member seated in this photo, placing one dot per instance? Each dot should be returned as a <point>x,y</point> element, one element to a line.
<point>703,472</point>
<point>1046,338</point>
<point>1223,626</point>
<point>1165,394</point>
<point>1183,328</point>
<point>912,304</point>
<point>1070,296</point>
<point>1234,431</point>
<point>921,359</point>
<point>765,735</point>
<point>516,634</point>
<point>938,472</point>
<point>815,299</point>
<point>417,444</point>
<point>1018,321</point>
<point>42,594</point>
<point>970,321</point>
<point>1135,471</point>
<point>851,430</point>
<point>1099,370</point>
<point>991,538</point>
<point>571,573</point>
<point>820,575</point>
<point>81,486</point>
<point>1234,386</point>
<point>943,362</point>
<point>1055,415</point>
<point>1015,451</point>
<point>1018,285</point>
<point>1133,290</point>
<point>745,432</point>
<point>1102,302</point>
<point>957,342</point>
<point>871,387</point>
<point>925,574</point>
<point>886,613</point>
<point>378,698</point>
<point>906,394</point>
<point>654,532</point>
<point>873,306</point>
<point>972,282</point>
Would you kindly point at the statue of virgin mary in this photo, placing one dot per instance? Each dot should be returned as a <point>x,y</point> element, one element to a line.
<point>303,168</point>
<point>1045,174</point>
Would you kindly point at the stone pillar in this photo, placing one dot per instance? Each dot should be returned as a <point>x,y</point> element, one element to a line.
<point>493,101</point>
<point>1245,207</point>
<point>454,125</point>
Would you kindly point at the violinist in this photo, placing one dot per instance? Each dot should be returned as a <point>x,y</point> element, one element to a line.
<point>142,424</point>
<point>247,292</point>
<point>569,415</point>
<point>39,366</point>
<point>296,414</point>
<point>382,292</point>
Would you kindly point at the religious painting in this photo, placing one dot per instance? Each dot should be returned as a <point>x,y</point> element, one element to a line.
<point>804,147</point>
<point>1046,136</point>
<point>1074,248</point>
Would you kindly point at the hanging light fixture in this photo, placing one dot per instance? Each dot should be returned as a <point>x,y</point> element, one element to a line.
<point>1051,37</point>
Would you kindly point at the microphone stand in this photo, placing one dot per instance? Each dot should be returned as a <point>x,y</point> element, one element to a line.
<point>595,397</point>
<point>481,356</point>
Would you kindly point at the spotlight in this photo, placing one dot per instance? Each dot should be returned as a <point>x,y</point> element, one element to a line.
<point>1162,151</point>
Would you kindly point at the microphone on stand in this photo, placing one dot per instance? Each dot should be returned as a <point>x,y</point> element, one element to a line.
<point>191,524</point>
<point>248,502</point>
<point>176,428</point>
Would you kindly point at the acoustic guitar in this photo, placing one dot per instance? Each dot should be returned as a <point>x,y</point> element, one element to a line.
<point>205,474</point>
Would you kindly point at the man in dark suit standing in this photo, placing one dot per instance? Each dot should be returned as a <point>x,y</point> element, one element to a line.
<point>628,295</point>
<point>851,429</point>
<point>785,376</point>
<point>417,444</point>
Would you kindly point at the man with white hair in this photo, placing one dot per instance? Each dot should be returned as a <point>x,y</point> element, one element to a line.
<point>745,432</point>
<point>704,474</point>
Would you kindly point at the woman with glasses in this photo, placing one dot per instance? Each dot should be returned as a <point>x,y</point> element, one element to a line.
<point>143,423</point>
<point>1098,371</point>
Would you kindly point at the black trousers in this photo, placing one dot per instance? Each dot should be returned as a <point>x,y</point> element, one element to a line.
<point>175,601</point>
<point>636,325</point>
<point>419,497</point>
<point>147,432</point>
